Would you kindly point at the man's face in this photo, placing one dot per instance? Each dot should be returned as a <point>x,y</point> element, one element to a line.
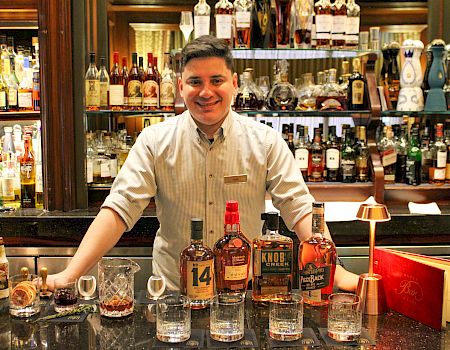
<point>207,86</point>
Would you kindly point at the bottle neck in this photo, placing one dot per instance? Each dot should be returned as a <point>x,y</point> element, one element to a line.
<point>232,228</point>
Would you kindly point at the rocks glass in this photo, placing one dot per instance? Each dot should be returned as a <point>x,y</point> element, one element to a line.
<point>344,316</point>
<point>227,317</point>
<point>24,292</point>
<point>173,318</point>
<point>286,317</point>
<point>65,296</point>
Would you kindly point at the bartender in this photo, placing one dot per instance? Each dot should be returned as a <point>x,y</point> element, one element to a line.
<point>192,164</point>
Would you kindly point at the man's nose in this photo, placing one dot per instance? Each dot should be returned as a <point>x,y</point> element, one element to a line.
<point>206,90</point>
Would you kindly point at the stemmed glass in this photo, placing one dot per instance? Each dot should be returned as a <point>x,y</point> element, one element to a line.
<point>186,24</point>
<point>156,285</point>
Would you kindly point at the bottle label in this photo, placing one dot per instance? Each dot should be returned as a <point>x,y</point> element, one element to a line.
<point>12,97</point>
<point>357,92</point>
<point>200,279</point>
<point>25,99</point>
<point>439,174</point>
<point>39,178</point>
<point>116,95</point>
<point>242,19</point>
<point>103,94</point>
<point>223,26</point>
<point>389,157</point>
<point>150,90</point>
<point>92,93</point>
<point>201,26</point>
<point>273,262</point>
<point>89,171</point>
<point>2,99</point>
<point>348,168</point>
<point>301,156</point>
<point>313,295</point>
<point>339,26</point>
<point>236,273</point>
<point>412,175</point>
<point>314,277</point>
<point>134,93</point>
<point>332,158</point>
<point>26,170</point>
<point>441,158</point>
<point>113,167</point>
<point>3,276</point>
<point>324,23</point>
<point>105,169</point>
<point>8,188</point>
<point>352,26</point>
<point>167,94</point>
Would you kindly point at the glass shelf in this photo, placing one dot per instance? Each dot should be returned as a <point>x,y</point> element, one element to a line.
<point>298,113</point>
<point>129,113</point>
<point>393,113</point>
<point>298,54</point>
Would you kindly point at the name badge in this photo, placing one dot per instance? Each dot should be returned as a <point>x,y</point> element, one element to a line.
<point>235,179</point>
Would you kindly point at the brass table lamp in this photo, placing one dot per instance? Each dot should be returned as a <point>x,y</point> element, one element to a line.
<point>370,285</point>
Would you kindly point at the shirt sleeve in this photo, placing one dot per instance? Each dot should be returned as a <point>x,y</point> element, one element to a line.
<point>285,183</point>
<point>135,183</point>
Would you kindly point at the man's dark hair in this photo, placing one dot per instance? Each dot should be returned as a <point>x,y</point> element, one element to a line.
<point>207,46</point>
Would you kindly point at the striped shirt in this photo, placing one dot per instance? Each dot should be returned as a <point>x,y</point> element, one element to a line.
<point>189,176</point>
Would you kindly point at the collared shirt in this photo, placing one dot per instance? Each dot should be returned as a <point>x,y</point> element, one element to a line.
<point>189,176</point>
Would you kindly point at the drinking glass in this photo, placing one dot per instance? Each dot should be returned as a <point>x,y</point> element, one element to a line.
<point>173,318</point>
<point>186,24</point>
<point>156,285</point>
<point>227,317</point>
<point>374,33</point>
<point>344,316</point>
<point>286,316</point>
<point>24,293</point>
<point>65,296</point>
<point>87,286</point>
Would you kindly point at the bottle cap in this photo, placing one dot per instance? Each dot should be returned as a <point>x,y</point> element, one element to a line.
<point>196,228</point>
<point>232,212</point>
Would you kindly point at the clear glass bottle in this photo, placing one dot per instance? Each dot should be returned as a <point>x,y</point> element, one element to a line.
<point>224,20</point>
<point>90,158</point>
<point>339,13</point>
<point>303,23</point>
<point>283,8</point>
<point>92,83</point>
<point>272,261</point>
<point>242,23</point>
<point>103,77</point>
<point>25,92</point>
<point>167,88</point>
<point>102,164</point>
<point>11,198</point>
<point>202,15</point>
<point>13,85</point>
<point>306,98</point>
<point>352,25</point>
<point>283,95</point>
<point>324,23</point>
<point>330,96</point>
<point>246,96</point>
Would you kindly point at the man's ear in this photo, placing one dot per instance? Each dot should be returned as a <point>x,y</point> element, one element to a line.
<point>180,86</point>
<point>235,81</point>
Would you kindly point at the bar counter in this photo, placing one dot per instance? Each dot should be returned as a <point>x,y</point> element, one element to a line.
<point>391,331</point>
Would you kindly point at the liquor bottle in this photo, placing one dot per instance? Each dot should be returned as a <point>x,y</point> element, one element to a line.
<point>116,85</point>
<point>393,73</point>
<point>224,20</point>
<point>352,25</point>
<point>316,159</point>
<point>259,37</point>
<point>388,154</point>
<point>429,56</point>
<point>102,163</point>
<point>401,145</point>
<point>344,77</point>
<point>103,77</point>
<point>362,157</point>
<point>4,271</point>
<point>357,88</point>
<point>125,82</point>
<point>439,157</point>
<point>307,100</point>
<point>167,86</point>
<point>37,147</point>
<point>332,156</point>
<point>232,254</point>
<point>246,96</point>
<point>283,95</point>
<point>272,261</point>
<point>290,140</point>
<point>134,84</point>
<point>317,261</point>
<point>202,13</point>
<point>324,23</point>
<point>447,142</point>
<point>301,152</point>
<point>90,157</point>
<point>283,8</point>
<point>242,22</point>
<point>414,159</point>
<point>339,13</point>
<point>11,197</point>
<point>447,84</point>
<point>150,87</point>
<point>36,78</point>
<point>13,85</point>
<point>92,83</point>
<point>304,21</point>
<point>348,158</point>
<point>25,92</point>
<point>330,97</point>
<point>3,94</point>
<point>425,149</point>
<point>197,268</point>
<point>27,175</point>
<point>273,26</point>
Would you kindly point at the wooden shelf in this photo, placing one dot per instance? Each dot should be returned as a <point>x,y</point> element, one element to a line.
<point>13,116</point>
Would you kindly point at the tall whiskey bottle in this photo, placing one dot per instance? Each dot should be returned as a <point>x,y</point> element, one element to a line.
<point>317,261</point>
<point>103,77</point>
<point>339,13</point>
<point>202,13</point>
<point>414,159</point>
<point>224,20</point>
<point>332,156</point>
<point>92,83</point>
<point>116,91</point>
<point>362,157</point>
<point>302,152</point>
<point>324,23</point>
<point>316,160</point>
<point>150,87</point>
<point>438,157</point>
<point>272,261</point>
<point>125,82</point>
<point>134,84</point>
<point>352,25</point>
<point>242,22</point>
<point>232,254</point>
<point>27,175</point>
<point>357,88</point>
<point>197,268</point>
<point>283,23</point>
<point>167,86</point>
<point>388,154</point>
<point>4,271</point>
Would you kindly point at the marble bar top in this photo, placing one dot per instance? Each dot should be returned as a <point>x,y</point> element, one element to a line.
<point>391,331</point>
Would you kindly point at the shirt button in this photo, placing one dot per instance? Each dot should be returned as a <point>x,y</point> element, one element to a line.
<point>210,203</point>
<point>211,231</point>
<point>210,176</point>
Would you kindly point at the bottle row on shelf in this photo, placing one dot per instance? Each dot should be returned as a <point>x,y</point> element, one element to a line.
<point>272,263</point>
<point>19,76</point>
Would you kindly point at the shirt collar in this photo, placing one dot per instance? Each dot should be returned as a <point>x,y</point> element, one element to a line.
<point>222,131</point>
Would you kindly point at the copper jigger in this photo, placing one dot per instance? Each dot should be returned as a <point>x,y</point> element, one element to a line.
<point>370,285</point>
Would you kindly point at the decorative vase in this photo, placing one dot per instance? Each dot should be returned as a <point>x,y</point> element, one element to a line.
<point>436,79</point>
<point>411,96</point>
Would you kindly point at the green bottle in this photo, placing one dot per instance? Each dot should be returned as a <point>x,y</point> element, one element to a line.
<point>414,159</point>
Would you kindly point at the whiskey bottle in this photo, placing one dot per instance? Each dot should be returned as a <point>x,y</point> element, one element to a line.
<point>388,154</point>
<point>426,154</point>
<point>259,37</point>
<point>348,157</point>
<point>302,152</point>
<point>317,261</point>
<point>224,20</point>
<point>92,84</point>
<point>401,145</point>
<point>125,82</point>
<point>116,88</point>
<point>27,175</point>
<point>25,93</point>
<point>242,22</point>
<point>330,97</point>
<point>362,157</point>
<point>232,254</point>
<point>103,77</point>
<point>307,99</point>
<point>13,84</point>
<point>414,159</point>
<point>150,87</point>
<point>197,268</point>
<point>272,261</point>
<point>283,23</point>
<point>246,96</point>
<point>357,88</point>
<point>339,13</point>
<point>36,77</point>
<point>304,21</point>
<point>316,159</point>
<point>202,13</point>
<point>332,156</point>
<point>352,25</point>
<point>4,271</point>
<point>324,23</point>
<point>283,95</point>
<point>167,87</point>
<point>290,140</point>
<point>393,73</point>
<point>438,157</point>
<point>11,197</point>
<point>134,85</point>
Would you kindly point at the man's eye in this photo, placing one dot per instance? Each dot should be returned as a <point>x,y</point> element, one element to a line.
<point>194,82</point>
<point>217,81</point>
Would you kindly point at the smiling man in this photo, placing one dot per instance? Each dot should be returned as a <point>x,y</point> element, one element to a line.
<point>190,163</point>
